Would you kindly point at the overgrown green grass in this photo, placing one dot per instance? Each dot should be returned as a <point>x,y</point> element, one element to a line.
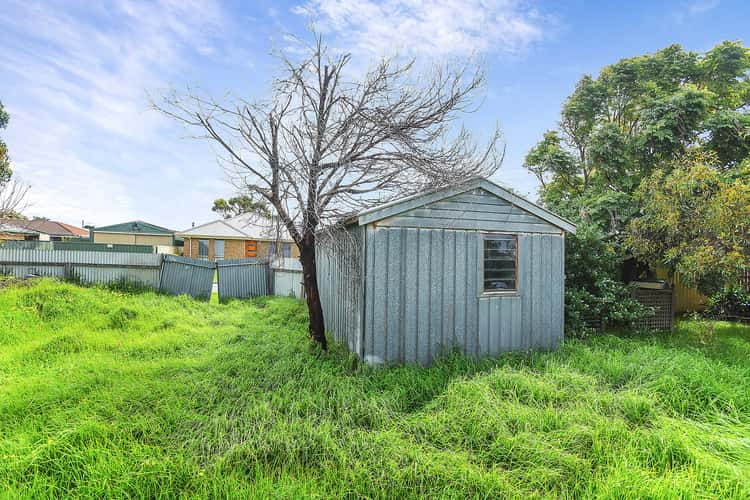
<point>109,394</point>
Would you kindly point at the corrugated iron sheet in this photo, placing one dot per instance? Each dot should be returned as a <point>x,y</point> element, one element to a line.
<point>77,245</point>
<point>340,281</point>
<point>89,267</point>
<point>288,283</point>
<point>181,275</point>
<point>243,278</point>
<point>424,295</point>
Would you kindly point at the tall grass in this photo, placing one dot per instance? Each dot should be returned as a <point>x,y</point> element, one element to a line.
<point>105,393</point>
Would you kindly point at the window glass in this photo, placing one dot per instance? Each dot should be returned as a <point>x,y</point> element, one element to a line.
<point>218,249</point>
<point>272,250</point>
<point>286,250</point>
<point>203,249</point>
<point>500,257</point>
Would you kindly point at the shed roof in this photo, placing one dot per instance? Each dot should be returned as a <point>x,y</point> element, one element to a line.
<point>245,226</point>
<point>418,200</point>
<point>50,227</point>
<point>135,226</point>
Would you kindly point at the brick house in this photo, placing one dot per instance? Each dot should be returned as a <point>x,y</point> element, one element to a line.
<point>244,236</point>
<point>48,230</point>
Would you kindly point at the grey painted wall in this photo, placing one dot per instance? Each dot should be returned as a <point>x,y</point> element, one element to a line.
<point>423,295</point>
<point>407,287</point>
<point>477,210</point>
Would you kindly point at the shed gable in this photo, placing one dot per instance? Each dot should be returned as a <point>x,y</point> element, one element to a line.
<point>474,209</point>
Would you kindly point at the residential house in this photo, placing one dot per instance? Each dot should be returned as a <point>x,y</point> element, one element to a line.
<point>11,232</point>
<point>243,236</point>
<point>49,230</point>
<point>135,232</point>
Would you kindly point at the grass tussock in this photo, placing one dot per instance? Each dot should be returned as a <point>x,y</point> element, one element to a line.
<point>112,393</point>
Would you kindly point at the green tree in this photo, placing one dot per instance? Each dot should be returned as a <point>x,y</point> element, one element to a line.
<point>5,171</point>
<point>635,123</point>
<point>238,205</point>
<point>696,220</point>
<point>637,116</point>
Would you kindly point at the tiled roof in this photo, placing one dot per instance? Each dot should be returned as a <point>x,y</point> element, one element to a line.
<point>50,227</point>
<point>245,226</point>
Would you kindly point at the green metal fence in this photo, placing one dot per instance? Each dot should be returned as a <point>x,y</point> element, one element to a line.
<point>79,246</point>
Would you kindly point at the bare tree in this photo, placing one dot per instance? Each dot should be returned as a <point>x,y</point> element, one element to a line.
<point>13,197</point>
<point>327,144</point>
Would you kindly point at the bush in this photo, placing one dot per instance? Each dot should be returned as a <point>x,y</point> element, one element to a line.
<point>729,302</point>
<point>592,290</point>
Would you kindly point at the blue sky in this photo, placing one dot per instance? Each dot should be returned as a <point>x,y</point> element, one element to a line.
<point>75,79</point>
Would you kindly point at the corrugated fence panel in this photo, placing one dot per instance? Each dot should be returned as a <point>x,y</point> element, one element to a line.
<point>339,262</point>
<point>181,275</point>
<point>87,266</point>
<point>288,283</point>
<point>243,278</point>
<point>423,295</point>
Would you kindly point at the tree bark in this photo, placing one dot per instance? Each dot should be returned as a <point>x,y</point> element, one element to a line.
<point>310,282</point>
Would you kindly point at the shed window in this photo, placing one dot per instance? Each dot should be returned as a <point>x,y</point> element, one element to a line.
<point>218,249</point>
<point>202,249</point>
<point>500,262</point>
<point>286,250</point>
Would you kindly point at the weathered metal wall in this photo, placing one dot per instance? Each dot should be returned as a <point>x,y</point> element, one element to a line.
<point>288,283</point>
<point>339,264</point>
<point>423,295</point>
<point>87,266</point>
<point>473,210</point>
<point>180,275</point>
<point>243,278</point>
<point>77,245</point>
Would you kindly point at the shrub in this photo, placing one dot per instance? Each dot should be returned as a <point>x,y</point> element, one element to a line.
<point>730,301</point>
<point>592,290</point>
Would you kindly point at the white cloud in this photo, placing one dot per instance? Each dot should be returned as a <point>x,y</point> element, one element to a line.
<point>694,9</point>
<point>75,77</point>
<point>432,27</point>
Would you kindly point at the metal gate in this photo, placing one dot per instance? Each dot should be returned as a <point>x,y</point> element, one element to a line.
<point>243,278</point>
<point>181,275</point>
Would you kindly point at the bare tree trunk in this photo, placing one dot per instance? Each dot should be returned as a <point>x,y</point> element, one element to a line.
<point>310,281</point>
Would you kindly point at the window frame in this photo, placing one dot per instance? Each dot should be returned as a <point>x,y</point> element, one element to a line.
<point>484,236</point>
<point>223,249</point>
<point>208,248</point>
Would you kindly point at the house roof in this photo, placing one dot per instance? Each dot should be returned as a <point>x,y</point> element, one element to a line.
<point>245,226</point>
<point>11,229</point>
<point>50,227</point>
<point>418,200</point>
<point>134,226</point>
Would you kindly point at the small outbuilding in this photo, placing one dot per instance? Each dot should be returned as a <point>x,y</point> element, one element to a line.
<point>473,267</point>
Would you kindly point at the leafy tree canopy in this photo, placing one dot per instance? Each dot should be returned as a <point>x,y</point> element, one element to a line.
<point>240,205</point>
<point>638,116</point>
<point>696,219</point>
<point>5,171</point>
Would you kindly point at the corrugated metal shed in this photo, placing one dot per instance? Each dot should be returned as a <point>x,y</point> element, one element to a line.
<point>406,281</point>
